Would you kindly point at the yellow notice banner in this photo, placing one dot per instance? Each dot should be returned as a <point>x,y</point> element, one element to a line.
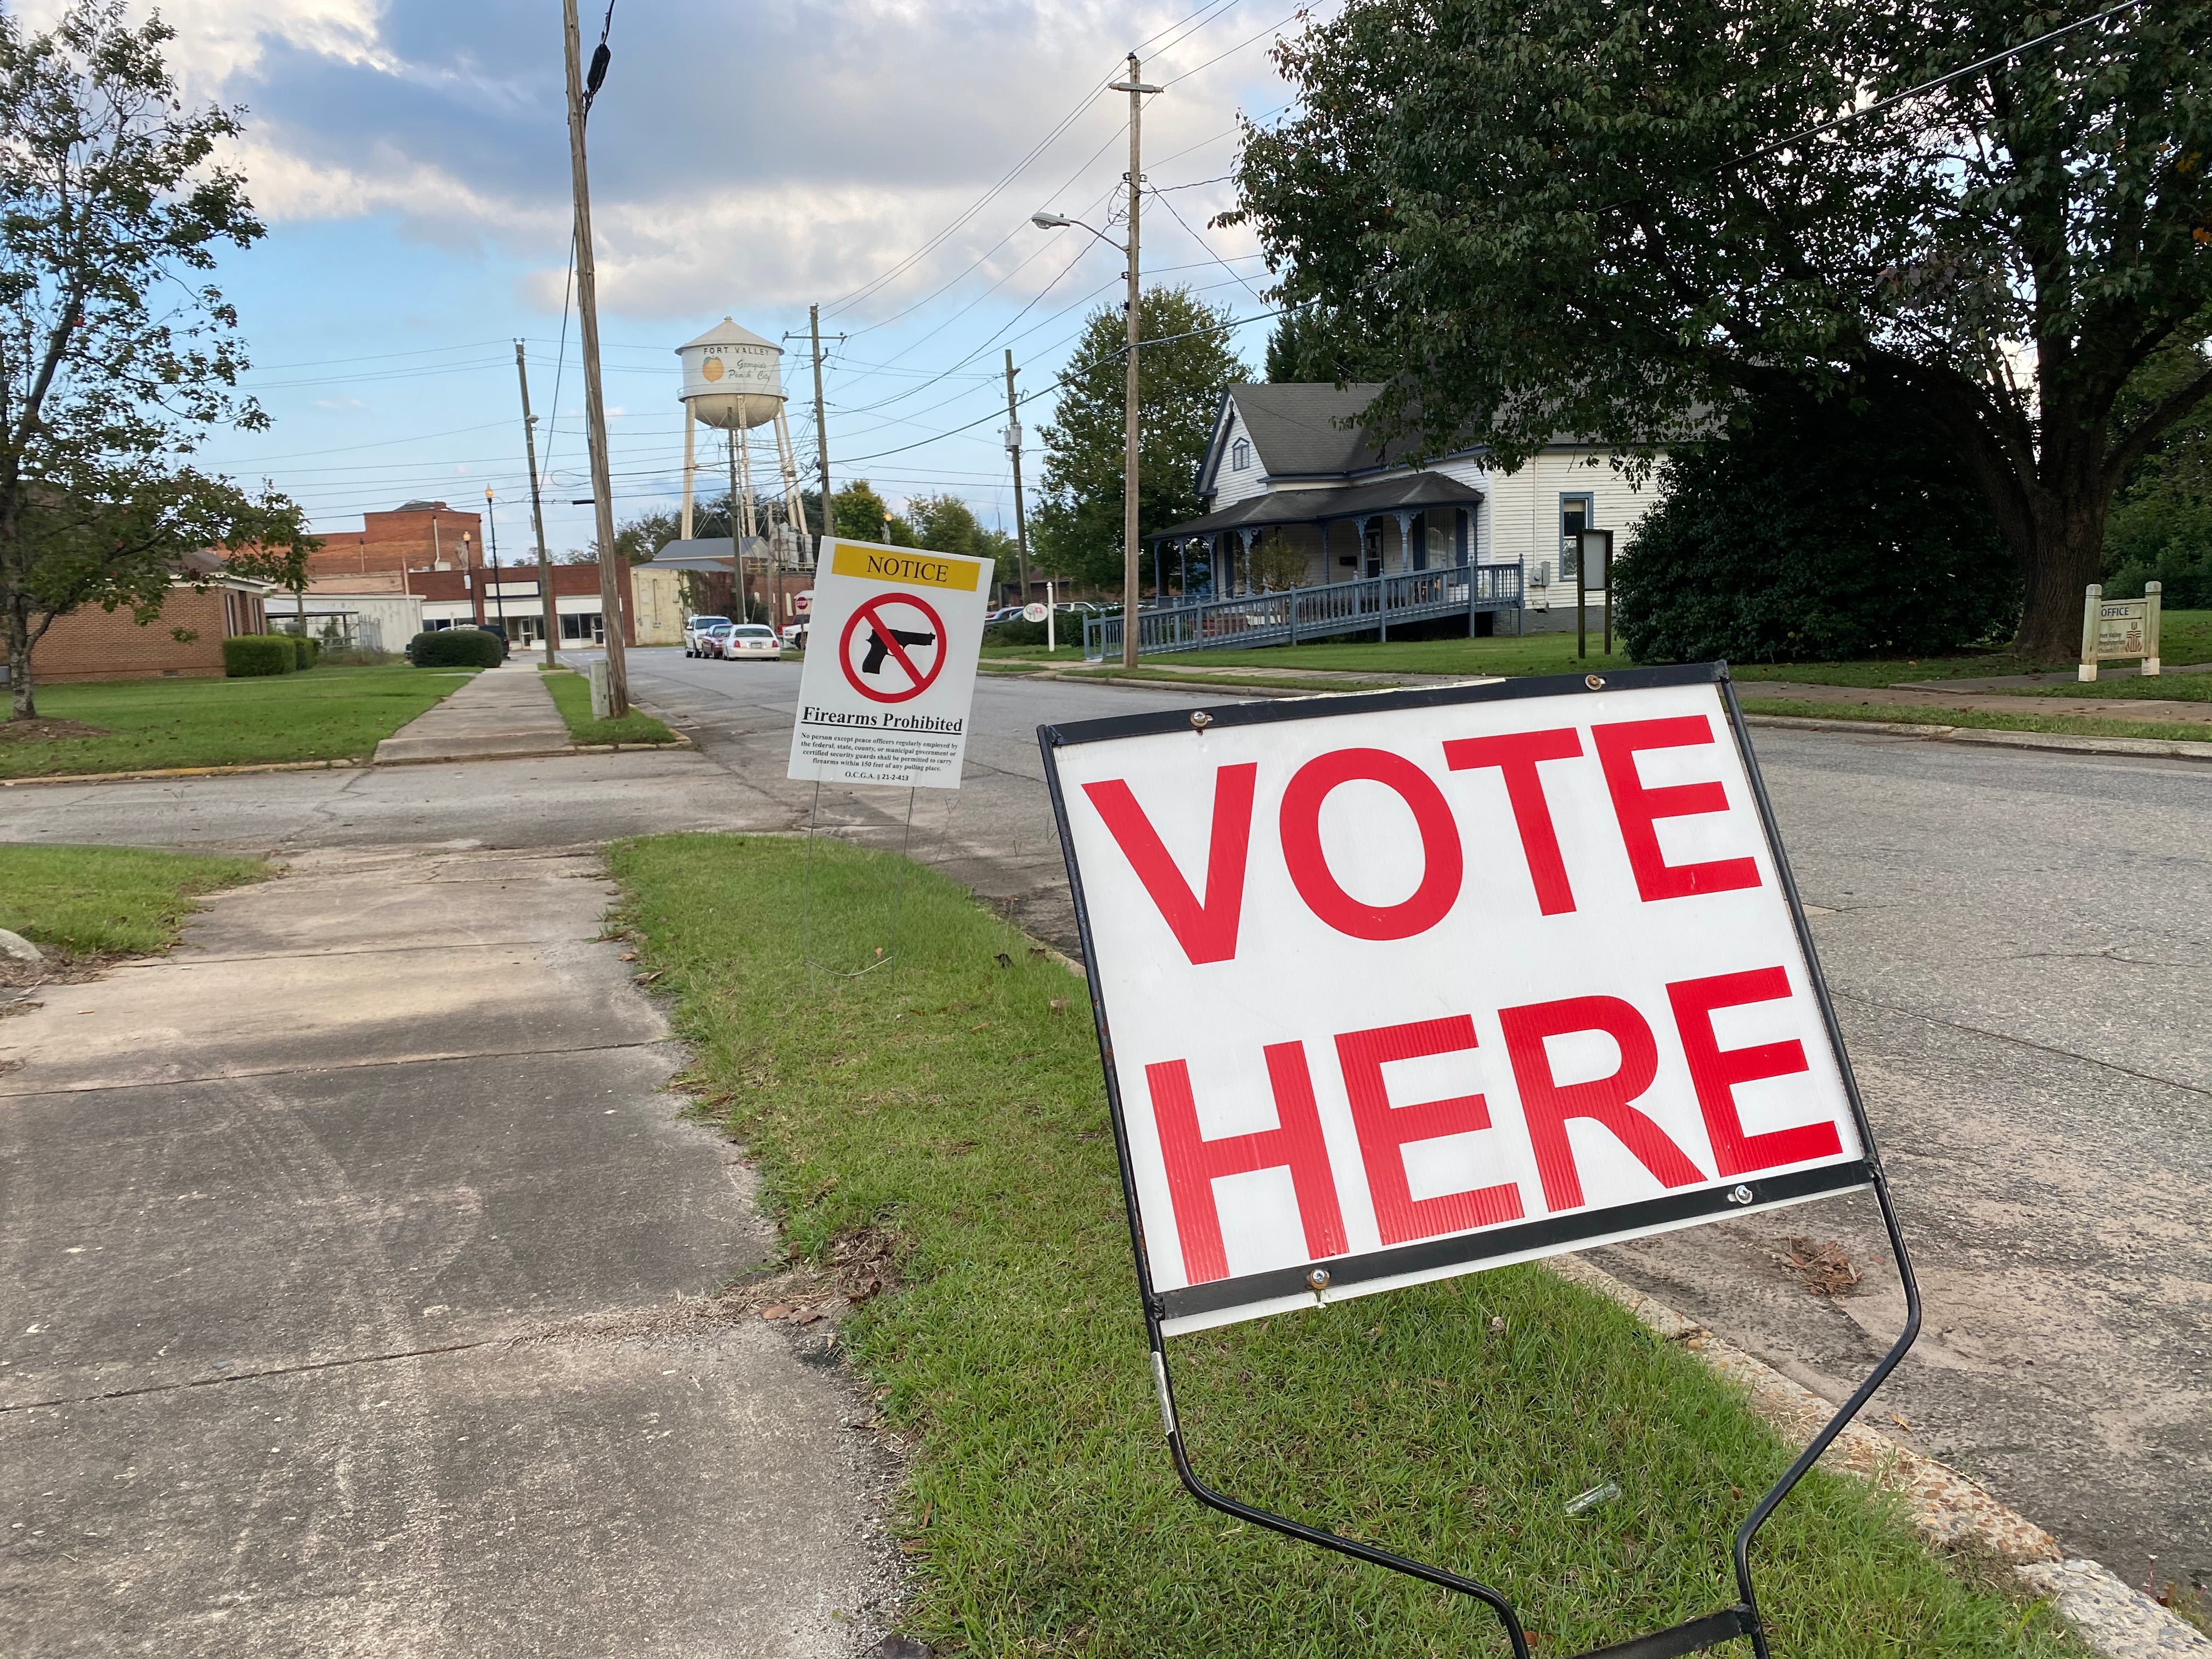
<point>918,568</point>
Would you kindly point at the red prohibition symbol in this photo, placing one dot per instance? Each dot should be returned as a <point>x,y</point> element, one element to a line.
<point>885,659</point>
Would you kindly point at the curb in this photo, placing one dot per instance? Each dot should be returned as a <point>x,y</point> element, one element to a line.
<point>188,772</point>
<point>678,742</point>
<point>1947,1508</point>
<point>2060,742</point>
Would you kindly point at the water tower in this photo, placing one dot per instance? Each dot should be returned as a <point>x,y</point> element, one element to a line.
<point>733,380</point>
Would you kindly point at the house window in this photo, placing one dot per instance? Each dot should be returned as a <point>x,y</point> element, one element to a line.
<point>1240,456</point>
<point>578,626</point>
<point>1575,515</point>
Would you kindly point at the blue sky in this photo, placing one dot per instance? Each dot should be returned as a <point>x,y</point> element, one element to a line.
<point>881,157</point>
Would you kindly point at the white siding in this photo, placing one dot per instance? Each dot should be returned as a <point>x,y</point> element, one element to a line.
<point>1521,517</point>
<point>1230,485</point>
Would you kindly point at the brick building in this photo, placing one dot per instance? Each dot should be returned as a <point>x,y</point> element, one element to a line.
<point>94,644</point>
<point>414,536</point>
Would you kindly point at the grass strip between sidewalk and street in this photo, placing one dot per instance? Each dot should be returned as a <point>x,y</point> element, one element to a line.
<point>952,1100</point>
<point>1981,720</point>
<point>572,696</point>
<point>144,726</point>
<point>108,901</point>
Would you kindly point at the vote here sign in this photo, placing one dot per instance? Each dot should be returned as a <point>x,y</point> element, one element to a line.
<point>1400,986</point>
<point>893,637</point>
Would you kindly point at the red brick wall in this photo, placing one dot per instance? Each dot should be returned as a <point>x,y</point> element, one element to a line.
<point>93,644</point>
<point>399,541</point>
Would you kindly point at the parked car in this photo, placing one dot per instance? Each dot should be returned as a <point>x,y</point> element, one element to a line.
<point>752,640</point>
<point>795,636</point>
<point>696,630</point>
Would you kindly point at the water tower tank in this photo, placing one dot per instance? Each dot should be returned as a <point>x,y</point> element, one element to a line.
<point>731,377</point>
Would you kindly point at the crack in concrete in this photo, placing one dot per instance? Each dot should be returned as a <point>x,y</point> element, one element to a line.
<point>247,1376</point>
<point>2020,1042</point>
<point>363,1065</point>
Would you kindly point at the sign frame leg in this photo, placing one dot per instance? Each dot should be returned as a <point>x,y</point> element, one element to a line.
<point>885,954</point>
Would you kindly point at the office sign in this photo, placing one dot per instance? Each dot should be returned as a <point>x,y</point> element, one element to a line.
<point>1400,986</point>
<point>889,703</point>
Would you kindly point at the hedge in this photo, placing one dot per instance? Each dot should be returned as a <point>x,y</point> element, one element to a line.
<point>247,656</point>
<point>1812,532</point>
<point>455,647</point>
<point>307,649</point>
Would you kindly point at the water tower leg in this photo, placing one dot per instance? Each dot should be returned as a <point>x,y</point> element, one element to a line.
<point>689,466</point>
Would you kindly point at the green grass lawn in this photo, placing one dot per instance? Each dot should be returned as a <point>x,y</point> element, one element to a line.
<point>108,900</point>
<point>954,1105</point>
<point>324,713</point>
<point>572,696</point>
<point>2175,688</point>
<point>2081,725</point>
<point>2185,637</point>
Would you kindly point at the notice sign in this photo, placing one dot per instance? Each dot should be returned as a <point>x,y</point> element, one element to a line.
<point>885,694</point>
<point>1398,987</point>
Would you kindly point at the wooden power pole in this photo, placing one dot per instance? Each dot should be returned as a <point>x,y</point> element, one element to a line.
<point>595,414</point>
<point>1014,450</point>
<point>821,423</point>
<point>1135,87</point>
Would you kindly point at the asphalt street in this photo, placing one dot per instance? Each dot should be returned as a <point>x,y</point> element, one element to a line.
<point>2019,943</point>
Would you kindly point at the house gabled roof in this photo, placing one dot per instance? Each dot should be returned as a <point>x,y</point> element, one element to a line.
<point>1302,430</point>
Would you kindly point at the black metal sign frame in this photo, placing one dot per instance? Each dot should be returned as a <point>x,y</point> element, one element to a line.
<point>1696,1635</point>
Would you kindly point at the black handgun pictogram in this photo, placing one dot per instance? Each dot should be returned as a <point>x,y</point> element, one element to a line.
<point>879,647</point>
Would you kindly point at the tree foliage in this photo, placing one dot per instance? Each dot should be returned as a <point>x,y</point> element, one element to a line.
<point>1311,344</point>
<point>116,353</point>
<point>1075,529</point>
<point>2160,528</point>
<point>1604,218</point>
<point>1812,533</point>
<point>859,513</point>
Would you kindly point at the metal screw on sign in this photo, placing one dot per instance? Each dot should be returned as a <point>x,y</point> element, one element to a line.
<point>1741,1196</point>
<point>1318,1278</point>
<point>1595,682</point>
<point>1199,719</point>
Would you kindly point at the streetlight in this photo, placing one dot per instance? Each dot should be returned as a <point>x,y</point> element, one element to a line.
<point>1046,219</point>
<point>491,524</point>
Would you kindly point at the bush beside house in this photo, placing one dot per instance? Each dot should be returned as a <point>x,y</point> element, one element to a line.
<point>455,647</point>
<point>249,656</point>
<point>1813,534</point>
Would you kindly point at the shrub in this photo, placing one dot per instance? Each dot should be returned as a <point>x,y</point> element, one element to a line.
<point>1812,533</point>
<point>454,648</point>
<point>356,656</point>
<point>305,650</point>
<point>246,656</point>
<point>1019,632</point>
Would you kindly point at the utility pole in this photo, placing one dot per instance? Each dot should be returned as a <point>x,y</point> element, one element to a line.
<point>552,624</point>
<point>1014,449</point>
<point>1136,89</point>
<point>595,414</point>
<point>821,425</point>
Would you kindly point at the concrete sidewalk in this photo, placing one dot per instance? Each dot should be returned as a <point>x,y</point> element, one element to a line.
<point>339,1303</point>
<point>502,712</point>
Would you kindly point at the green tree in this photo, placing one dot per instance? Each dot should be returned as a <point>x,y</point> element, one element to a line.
<point>1603,218</point>
<point>2161,527</point>
<point>1311,344</point>
<point>943,524</point>
<point>1075,530</point>
<point>116,353</point>
<point>860,511</point>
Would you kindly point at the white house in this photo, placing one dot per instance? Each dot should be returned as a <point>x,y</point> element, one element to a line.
<point>1291,462</point>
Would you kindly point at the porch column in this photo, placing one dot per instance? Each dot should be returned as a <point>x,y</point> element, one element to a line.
<point>1404,540</point>
<point>1247,536</point>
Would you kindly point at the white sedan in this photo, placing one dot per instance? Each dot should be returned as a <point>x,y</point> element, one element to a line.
<point>752,640</point>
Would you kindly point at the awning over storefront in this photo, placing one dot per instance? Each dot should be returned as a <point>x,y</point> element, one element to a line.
<point>704,553</point>
<point>1409,492</point>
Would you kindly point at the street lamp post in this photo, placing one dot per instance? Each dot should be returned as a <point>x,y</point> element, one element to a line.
<point>1047,221</point>
<point>491,529</point>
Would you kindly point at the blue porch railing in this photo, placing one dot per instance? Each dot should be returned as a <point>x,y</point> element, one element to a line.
<point>1312,613</point>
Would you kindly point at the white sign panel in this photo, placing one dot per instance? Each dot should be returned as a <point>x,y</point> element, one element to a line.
<point>891,673</point>
<point>1403,987</point>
